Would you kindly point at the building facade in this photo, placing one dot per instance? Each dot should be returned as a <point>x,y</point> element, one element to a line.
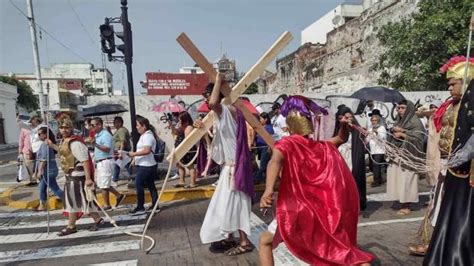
<point>9,132</point>
<point>344,63</point>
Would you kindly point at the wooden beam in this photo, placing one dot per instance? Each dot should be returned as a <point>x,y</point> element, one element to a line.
<point>231,95</point>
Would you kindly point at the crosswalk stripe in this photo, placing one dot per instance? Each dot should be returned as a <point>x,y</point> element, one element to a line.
<point>37,224</point>
<point>34,237</point>
<point>406,220</point>
<point>10,215</point>
<point>383,196</point>
<point>68,251</point>
<point>118,263</point>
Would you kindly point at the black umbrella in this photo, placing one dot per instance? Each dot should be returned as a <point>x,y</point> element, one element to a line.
<point>379,93</point>
<point>103,109</point>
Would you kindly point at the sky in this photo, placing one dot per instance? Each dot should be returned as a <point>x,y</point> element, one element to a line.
<point>243,29</point>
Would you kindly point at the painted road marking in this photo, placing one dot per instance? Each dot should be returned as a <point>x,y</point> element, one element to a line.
<point>69,251</point>
<point>282,255</point>
<point>383,196</point>
<point>63,222</point>
<point>118,263</point>
<point>34,237</point>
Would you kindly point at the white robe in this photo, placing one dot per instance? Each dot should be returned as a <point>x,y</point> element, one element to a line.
<point>229,209</point>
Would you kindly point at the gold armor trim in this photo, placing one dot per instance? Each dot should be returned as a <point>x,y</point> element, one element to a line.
<point>446,134</point>
<point>66,158</point>
<point>299,124</point>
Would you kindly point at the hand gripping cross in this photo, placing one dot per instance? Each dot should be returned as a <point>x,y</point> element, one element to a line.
<point>231,95</point>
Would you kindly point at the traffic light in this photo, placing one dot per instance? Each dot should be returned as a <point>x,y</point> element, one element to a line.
<point>107,38</point>
<point>121,36</point>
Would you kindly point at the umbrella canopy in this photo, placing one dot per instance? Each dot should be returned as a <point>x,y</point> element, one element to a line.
<point>103,109</point>
<point>249,106</point>
<point>203,108</point>
<point>169,106</point>
<point>381,94</point>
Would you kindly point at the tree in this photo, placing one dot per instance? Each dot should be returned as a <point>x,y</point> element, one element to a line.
<point>418,46</point>
<point>252,89</point>
<point>26,98</point>
<point>91,90</point>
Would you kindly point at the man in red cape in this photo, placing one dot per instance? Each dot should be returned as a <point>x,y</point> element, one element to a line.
<point>318,203</point>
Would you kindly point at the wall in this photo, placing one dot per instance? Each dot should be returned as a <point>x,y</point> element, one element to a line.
<point>144,104</point>
<point>348,55</point>
<point>316,32</point>
<point>8,95</point>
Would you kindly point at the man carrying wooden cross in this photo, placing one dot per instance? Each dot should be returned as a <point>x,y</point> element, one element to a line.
<point>230,206</point>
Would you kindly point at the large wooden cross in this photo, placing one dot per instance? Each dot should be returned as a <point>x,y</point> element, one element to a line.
<point>231,95</point>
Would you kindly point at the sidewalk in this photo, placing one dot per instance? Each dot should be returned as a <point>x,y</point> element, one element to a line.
<point>27,197</point>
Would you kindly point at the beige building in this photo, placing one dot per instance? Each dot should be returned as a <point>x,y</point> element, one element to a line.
<point>9,132</point>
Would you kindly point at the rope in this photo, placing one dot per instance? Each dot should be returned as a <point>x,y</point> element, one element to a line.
<point>143,236</point>
<point>91,197</point>
<point>192,161</point>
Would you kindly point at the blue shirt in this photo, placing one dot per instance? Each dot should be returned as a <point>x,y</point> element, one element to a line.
<point>103,138</point>
<point>42,155</point>
<point>260,142</point>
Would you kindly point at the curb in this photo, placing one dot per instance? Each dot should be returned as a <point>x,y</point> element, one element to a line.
<point>173,194</point>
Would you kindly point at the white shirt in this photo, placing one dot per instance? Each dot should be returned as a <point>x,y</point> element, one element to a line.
<point>375,148</point>
<point>146,140</point>
<point>81,153</point>
<point>279,122</point>
<point>34,138</point>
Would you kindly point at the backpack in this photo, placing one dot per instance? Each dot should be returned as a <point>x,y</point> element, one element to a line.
<point>159,152</point>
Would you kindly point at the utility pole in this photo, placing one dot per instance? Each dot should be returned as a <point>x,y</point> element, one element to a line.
<point>128,53</point>
<point>36,59</point>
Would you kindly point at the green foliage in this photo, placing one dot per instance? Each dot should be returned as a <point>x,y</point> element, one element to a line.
<point>418,47</point>
<point>26,98</point>
<point>252,89</point>
<point>91,90</point>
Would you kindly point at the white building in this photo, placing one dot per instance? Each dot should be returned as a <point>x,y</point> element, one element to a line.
<point>316,32</point>
<point>190,70</point>
<point>98,78</point>
<point>9,132</point>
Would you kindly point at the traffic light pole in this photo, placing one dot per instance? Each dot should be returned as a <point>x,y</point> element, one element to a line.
<point>127,30</point>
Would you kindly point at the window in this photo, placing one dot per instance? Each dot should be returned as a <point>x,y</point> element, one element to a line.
<point>98,81</point>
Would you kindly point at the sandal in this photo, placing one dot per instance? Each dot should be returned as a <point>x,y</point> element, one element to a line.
<point>222,246</point>
<point>96,225</point>
<point>179,185</point>
<point>189,186</point>
<point>238,250</point>
<point>67,231</point>
<point>418,250</point>
<point>404,212</point>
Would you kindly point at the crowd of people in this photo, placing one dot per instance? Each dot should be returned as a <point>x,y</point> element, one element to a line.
<point>322,187</point>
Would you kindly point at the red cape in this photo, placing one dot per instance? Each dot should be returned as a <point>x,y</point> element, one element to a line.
<point>318,204</point>
<point>438,115</point>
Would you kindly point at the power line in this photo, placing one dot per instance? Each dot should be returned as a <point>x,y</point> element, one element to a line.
<point>49,34</point>
<point>82,25</point>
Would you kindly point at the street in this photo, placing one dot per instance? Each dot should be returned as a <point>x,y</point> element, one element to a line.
<point>25,241</point>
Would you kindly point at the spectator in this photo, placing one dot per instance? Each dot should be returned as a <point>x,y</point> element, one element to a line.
<point>24,148</point>
<point>103,162</point>
<point>185,126</point>
<point>377,151</point>
<point>263,151</point>
<point>146,165</point>
<point>35,123</point>
<point>121,141</point>
<point>355,152</point>
<point>47,167</point>
<point>371,107</point>
<point>279,123</point>
<point>408,134</point>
